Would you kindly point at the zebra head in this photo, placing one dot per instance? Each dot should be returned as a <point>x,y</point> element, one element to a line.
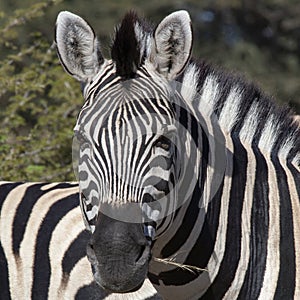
<point>127,133</point>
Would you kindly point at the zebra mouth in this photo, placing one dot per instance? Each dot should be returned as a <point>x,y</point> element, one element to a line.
<point>120,273</point>
<point>121,283</point>
<point>123,291</point>
<point>119,254</point>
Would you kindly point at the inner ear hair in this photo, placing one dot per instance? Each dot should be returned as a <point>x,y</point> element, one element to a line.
<point>172,44</point>
<point>77,46</point>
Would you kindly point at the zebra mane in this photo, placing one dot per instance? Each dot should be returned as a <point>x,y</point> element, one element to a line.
<point>129,47</point>
<point>243,110</point>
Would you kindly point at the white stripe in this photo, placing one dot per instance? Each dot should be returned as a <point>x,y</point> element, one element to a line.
<point>159,173</point>
<point>268,135</point>
<point>273,247</point>
<point>80,276</point>
<point>229,113</point>
<point>18,289</point>
<point>189,83</point>
<point>65,232</point>
<point>266,142</point>
<point>209,96</point>
<point>250,125</point>
<point>246,135</point>
<point>215,260</point>
<point>27,248</point>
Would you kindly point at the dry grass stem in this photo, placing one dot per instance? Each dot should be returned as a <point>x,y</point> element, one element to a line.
<point>170,261</point>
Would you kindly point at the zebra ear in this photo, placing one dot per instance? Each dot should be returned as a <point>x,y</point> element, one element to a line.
<point>77,46</point>
<point>172,44</point>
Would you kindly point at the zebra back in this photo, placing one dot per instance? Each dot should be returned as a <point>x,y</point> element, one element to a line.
<point>43,245</point>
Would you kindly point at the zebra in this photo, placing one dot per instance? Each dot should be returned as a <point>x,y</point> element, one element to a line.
<point>43,245</point>
<point>187,173</point>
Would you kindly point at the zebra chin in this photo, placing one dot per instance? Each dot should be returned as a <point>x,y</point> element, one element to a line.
<point>119,254</point>
<point>124,284</point>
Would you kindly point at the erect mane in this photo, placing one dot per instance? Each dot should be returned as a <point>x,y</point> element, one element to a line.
<point>244,111</point>
<point>129,46</point>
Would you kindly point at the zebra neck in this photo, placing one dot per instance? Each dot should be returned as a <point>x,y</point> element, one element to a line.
<point>198,231</point>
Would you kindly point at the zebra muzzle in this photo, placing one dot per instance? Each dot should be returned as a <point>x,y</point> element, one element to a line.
<point>119,254</point>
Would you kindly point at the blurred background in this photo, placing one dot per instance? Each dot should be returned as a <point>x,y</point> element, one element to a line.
<point>39,102</point>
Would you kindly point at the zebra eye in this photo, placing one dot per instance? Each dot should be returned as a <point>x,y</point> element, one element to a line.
<point>163,143</point>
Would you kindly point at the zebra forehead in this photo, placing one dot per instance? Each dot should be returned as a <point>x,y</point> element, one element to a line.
<point>151,112</point>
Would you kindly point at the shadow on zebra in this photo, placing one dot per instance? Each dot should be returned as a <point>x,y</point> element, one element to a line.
<point>187,174</point>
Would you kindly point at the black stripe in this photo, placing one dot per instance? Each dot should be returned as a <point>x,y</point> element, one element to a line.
<point>233,235</point>
<point>5,189</point>
<point>4,283</point>
<point>176,276</point>
<point>93,86</point>
<point>192,212</point>
<point>296,176</point>
<point>30,198</point>
<point>90,111</point>
<point>286,279</point>
<point>105,82</point>
<point>22,214</point>
<point>200,254</point>
<point>75,252</point>
<point>41,268</point>
<point>203,247</point>
<point>153,278</point>
<point>225,88</point>
<point>259,231</point>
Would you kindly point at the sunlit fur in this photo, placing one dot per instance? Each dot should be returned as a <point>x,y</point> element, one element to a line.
<point>240,221</point>
<point>53,234</point>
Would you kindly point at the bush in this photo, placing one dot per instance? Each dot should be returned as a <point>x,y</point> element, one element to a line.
<point>39,101</point>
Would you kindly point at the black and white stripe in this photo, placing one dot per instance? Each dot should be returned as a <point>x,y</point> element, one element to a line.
<point>121,152</point>
<point>247,237</point>
<point>43,245</point>
<point>234,169</point>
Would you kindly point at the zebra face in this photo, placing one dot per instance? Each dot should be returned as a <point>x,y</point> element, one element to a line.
<point>126,183</point>
<point>130,161</point>
<point>126,136</point>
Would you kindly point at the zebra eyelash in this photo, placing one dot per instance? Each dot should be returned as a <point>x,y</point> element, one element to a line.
<point>163,142</point>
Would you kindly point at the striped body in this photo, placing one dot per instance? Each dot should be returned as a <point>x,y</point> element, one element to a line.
<point>211,162</point>
<point>43,245</point>
<point>247,233</point>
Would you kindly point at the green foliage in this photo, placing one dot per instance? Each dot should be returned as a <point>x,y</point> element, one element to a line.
<point>39,102</point>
